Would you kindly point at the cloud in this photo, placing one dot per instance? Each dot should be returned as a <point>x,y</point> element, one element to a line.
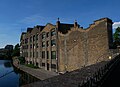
<point>116,24</point>
<point>30,19</point>
<point>33,19</point>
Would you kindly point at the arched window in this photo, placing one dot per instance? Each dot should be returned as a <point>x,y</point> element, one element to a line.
<point>43,35</point>
<point>53,42</point>
<point>53,32</point>
<point>37,37</point>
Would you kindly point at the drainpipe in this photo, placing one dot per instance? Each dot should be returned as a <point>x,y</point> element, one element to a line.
<point>65,56</point>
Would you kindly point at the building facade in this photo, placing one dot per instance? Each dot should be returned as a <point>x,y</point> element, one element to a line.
<point>66,47</point>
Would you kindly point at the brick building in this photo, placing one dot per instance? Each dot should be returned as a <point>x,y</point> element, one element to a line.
<point>66,47</point>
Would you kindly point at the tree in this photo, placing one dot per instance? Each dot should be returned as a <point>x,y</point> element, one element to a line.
<point>16,50</point>
<point>117,36</point>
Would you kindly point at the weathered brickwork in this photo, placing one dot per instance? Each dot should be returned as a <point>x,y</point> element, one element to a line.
<point>67,47</point>
<point>80,47</point>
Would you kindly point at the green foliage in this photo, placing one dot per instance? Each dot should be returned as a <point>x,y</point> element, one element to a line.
<point>22,60</point>
<point>16,51</point>
<point>31,66</point>
<point>117,36</point>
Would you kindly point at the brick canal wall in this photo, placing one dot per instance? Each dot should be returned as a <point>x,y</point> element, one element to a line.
<point>70,79</point>
<point>84,77</point>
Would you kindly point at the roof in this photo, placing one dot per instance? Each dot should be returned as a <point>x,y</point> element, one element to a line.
<point>64,28</point>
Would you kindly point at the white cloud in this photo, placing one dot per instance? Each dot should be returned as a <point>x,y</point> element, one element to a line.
<point>116,24</point>
<point>36,19</point>
<point>31,19</point>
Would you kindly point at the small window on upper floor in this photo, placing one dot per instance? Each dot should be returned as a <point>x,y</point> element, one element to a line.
<point>53,32</point>
<point>33,46</point>
<point>43,44</point>
<point>37,37</point>
<point>36,45</point>
<point>34,38</point>
<point>23,42</point>
<point>43,54</point>
<point>26,40</point>
<point>36,54</point>
<point>43,35</point>
<point>47,34</point>
<point>53,42</point>
<point>47,43</point>
<point>31,39</point>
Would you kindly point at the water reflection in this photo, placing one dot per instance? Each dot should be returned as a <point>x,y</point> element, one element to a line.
<point>7,64</point>
<point>8,77</point>
<point>13,77</point>
<point>26,78</point>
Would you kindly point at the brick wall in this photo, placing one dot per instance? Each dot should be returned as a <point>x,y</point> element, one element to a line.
<point>82,47</point>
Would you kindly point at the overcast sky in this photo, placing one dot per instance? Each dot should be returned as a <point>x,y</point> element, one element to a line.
<point>17,15</point>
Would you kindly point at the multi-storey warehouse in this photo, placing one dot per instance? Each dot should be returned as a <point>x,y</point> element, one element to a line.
<point>66,47</point>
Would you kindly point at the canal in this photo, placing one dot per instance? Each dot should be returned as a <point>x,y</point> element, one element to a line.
<point>12,77</point>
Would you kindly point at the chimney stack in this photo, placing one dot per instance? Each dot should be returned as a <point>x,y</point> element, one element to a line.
<point>75,24</point>
<point>58,23</point>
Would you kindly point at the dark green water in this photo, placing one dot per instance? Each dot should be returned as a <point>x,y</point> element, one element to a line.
<point>11,77</point>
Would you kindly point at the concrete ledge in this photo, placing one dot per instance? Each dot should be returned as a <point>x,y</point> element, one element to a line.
<point>38,73</point>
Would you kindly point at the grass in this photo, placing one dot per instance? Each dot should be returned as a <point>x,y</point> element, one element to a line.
<point>32,66</point>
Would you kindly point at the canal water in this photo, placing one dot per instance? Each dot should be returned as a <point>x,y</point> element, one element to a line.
<point>12,77</point>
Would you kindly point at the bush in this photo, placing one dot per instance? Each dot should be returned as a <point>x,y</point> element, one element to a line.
<point>22,60</point>
<point>31,65</point>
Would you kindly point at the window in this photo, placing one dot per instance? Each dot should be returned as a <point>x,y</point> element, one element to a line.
<point>53,66</point>
<point>47,66</point>
<point>34,38</point>
<point>47,54</point>
<point>37,37</point>
<point>31,39</point>
<point>53,32</point>
<point>37,64</point>
<point>33,46</point>
<point>26,40</point>
<point>30,45</point>
<point>43,64</point>
<point>30,54</point>
<point>43,54</point>
<point>30,62</point>
<point>36,45</point>
<point>23,41</point>
<point>53,42</point>
<point>36,54</point>
<point>47,43</point>
<point>47,34</point>
<point>43,44</point>
<point>26,46</point>
<point>43,35</point>
<point>26,54</point>
<point>33,54</point>
<point>53,55</point>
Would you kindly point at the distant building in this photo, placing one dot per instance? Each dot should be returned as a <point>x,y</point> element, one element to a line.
<point>66,47</point>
